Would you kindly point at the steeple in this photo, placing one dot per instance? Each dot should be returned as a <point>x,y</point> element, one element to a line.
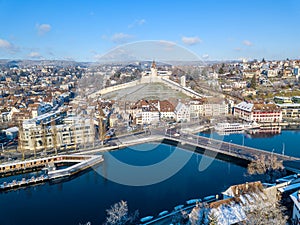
<point>153,65</point>
<point>153,69</point>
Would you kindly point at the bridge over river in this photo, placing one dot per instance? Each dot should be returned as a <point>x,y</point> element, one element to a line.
<point>231,150</point>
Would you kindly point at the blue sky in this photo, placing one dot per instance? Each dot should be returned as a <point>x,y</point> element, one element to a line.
<point>214,30</point>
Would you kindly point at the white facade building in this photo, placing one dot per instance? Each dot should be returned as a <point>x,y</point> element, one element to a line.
<point>75,131</point>
<point>182,112</point>
<point>150,116</point>
<point>290,110</point>
<point>196,109</point>
<point>215,109</point>
<point>166,110</point>
<point>183,81</point>
<point>258,112</point>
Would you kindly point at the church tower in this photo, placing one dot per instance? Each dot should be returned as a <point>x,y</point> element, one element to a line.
<point>153,69</point>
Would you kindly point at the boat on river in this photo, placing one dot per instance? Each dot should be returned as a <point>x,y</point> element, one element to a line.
<point>145,219</point>
<point>5,186</point>
<point>235,127</point>
<point>176,208</point>
<point>163,213</point>
<point>193,201</point>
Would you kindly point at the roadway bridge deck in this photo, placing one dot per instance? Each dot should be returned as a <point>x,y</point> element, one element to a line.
<point>233,150</point>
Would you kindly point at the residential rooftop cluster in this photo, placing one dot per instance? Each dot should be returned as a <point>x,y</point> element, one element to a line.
<point>39,93</point>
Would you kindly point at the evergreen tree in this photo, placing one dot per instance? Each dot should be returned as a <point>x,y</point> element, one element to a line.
<point>253,82</point>
<point>221,70</point>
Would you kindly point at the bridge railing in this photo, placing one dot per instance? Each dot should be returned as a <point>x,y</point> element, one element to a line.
<point>240,151</point>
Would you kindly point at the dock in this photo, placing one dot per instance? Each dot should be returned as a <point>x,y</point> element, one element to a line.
<point>82,162</point>
<point>39,163</point>
<point>6,186</point>
<point>89,161</point>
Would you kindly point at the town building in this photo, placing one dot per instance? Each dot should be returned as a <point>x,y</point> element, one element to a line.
<point>182,112</point>
<point>238,201</point>
<point>211,109</point>
<point>145,112</point>
<point>196,109</point>
<point>290,110</point>
<point>296,207</point>
<point>166,110</point>
<point>296,99</point>
<point>258,112</point>
<point>73,132</point>
<point>281,100</point>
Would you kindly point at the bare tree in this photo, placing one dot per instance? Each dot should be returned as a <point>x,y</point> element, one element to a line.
<point>180,218</point>
<point>269,166</point>
<point>213,220</point>
<point>200,215</point>
<point>266,211</point>
<point>118,214</point>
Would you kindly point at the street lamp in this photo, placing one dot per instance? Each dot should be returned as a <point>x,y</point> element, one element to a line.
<point>229,146</point>
<point>243,139</point>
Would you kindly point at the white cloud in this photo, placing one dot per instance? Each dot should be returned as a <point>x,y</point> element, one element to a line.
<point>43,28</point>
<point>137,23</point>
<point>247,43</point>
<point>34,55</point>
<point>205,56</point>
<point>121,37</point>
<point>7,46</point>
<point>191,40</point>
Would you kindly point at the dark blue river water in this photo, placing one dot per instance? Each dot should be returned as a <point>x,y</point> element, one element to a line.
<point>86,197</point>
<point>289,140</point>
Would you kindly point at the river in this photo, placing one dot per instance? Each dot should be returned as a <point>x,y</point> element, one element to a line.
<point>86,197</point>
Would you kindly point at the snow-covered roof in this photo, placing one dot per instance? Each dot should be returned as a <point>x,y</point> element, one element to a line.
<point>242,198</point>
<point>12,130</point>
<point>295,198</point>
<point>245,106</point>
<point>242,189</point>
<point>229,214</point>
<point>289,187</point>
<point>290,105</point>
